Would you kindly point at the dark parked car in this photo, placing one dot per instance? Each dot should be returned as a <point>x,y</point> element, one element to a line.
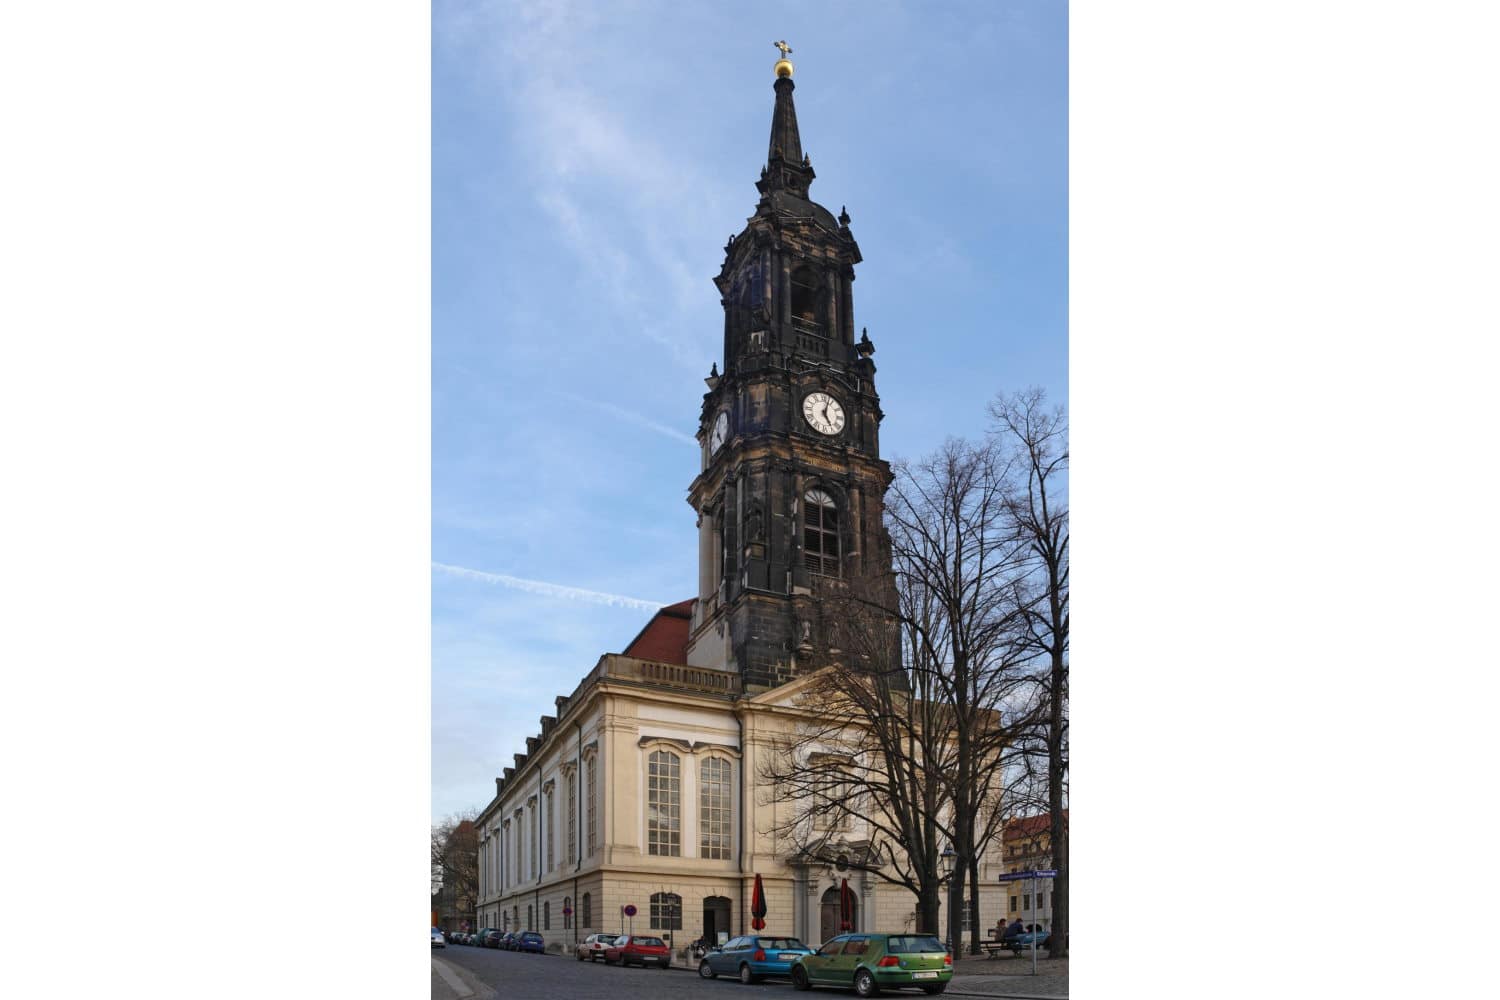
<point>873,962</point>
<point>507,941</point>
<point>490,938</point>
<point>752,957</point>
<point>638,949</point>
<point>530,941</point>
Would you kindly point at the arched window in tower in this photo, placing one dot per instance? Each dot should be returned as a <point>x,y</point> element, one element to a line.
<point>806,299</point>
<point>664,804</point>
<point>820,533</point>
<point>586,913</point>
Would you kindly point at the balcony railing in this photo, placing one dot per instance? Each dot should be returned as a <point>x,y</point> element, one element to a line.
<point>808,326</point>
<point>671,675</point>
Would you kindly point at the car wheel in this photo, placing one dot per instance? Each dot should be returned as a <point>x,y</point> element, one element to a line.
<point>864,983</point>
<point>745,975</point>
<point>666,964</point>
<point>707,971</point>
<point>799,978</point>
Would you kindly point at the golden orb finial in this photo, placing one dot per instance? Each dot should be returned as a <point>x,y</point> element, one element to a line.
<point>783,65</point>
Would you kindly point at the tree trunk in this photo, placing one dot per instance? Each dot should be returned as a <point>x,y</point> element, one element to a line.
<point>975,931</point>
<point>927,908</point>
<point>1057,946</point>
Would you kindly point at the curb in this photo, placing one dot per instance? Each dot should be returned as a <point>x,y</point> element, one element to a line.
<point>451,976</point>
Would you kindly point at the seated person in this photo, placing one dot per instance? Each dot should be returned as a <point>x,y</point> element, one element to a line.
<point>1013,930</point>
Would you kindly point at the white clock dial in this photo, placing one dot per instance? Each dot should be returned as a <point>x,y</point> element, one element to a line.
<point>720,432</point>
<point>823,413</point>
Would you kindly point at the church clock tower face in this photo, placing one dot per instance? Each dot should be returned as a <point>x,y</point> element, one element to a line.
<point>823,413</point>
<point>790,506</point>
<point>720,432</point>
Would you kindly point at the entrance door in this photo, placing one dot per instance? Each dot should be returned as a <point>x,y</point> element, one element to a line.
<point>715,918</point>
<point>829,925</point>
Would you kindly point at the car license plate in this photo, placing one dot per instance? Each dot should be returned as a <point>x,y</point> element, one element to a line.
<point>924,975</point>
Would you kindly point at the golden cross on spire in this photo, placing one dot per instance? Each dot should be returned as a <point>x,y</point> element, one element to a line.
<point>786,49</point>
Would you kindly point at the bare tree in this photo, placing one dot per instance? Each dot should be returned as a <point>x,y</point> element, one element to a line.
<point>860,768</point>
<point>957,558</point>
<point>1036,436</point>
<point>455,864</point>
<point>923,683</point>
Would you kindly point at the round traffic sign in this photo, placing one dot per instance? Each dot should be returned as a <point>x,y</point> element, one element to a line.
<point>567,911</point>
<point>630,909</point>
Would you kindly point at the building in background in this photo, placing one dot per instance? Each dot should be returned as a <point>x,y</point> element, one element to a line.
<point>1027,846</point>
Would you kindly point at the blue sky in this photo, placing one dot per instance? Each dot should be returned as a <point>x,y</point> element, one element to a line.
<point>589,161</point>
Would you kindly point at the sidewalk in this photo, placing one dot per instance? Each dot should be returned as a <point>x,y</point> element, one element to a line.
<point>451,981</point>
<point>1009,976</point>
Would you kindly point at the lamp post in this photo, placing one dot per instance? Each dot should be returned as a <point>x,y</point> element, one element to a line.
<point>950,859</point>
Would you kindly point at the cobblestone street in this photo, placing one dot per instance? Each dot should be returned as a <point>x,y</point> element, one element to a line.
<point>465,973</point>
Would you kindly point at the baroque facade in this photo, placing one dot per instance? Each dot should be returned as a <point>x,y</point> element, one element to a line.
<point>642,788</point>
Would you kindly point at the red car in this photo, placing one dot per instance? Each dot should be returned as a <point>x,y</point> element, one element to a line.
<point>639,949</point>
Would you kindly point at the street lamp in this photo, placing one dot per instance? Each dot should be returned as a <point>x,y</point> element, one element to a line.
<point>950,859</point>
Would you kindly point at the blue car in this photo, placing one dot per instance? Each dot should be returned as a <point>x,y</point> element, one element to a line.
<point>530,941</point>
<point>752,957</point>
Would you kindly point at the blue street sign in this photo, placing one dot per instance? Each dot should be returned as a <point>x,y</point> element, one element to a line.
<point>1023,876</point>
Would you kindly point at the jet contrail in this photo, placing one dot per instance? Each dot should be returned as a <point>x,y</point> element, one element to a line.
<point>550,589</point>
<point>635,418</point>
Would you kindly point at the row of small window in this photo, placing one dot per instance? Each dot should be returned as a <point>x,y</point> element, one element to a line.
<point>664,806</point>
<point>666,913</point>
<point>511,919</point>
<point>1024,902</point>
<point>1016,849</point>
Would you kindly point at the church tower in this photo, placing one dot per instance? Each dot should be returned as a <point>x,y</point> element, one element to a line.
<point>791,496</point>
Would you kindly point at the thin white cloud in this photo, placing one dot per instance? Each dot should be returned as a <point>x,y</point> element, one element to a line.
<point>634,418</point>
<point>549,589</point>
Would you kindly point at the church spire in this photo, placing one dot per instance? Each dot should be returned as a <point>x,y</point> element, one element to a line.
<point>785,142</point>
<point>786,165</point>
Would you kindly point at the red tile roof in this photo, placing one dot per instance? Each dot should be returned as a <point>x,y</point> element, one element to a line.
<point>665,636</point>
<point>1030,826</point>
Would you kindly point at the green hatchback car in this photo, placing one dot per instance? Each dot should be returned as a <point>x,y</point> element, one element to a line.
<point>870,963</point>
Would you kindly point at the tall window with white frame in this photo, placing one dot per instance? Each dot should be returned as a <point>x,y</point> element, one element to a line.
<point>572,780</point>
<point>536,842</point>
<point>593,804</point>
<point>548,818</point>
<point>714,808</point>
<point>820,533</point>
<point>664,804</point>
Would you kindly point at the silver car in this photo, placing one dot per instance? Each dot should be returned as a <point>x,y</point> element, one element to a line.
<point>437,939</point>
<point>592,947</point>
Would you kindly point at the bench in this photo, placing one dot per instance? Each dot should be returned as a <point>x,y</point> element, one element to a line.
<point>993,946</point>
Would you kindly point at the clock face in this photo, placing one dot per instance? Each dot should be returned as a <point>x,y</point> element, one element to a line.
<point>720,432</point>
<point>823,413</point>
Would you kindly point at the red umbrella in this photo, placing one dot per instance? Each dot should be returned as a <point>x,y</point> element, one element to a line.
<point>846,906</point>
<point>758,905</point>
